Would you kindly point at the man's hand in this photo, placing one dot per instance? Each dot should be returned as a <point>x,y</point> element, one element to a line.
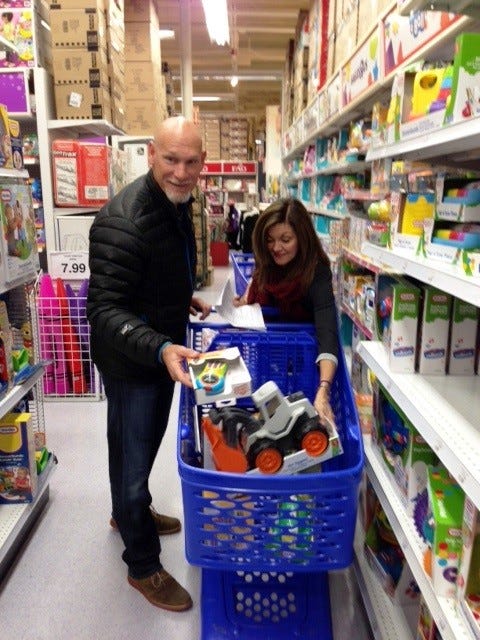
<point>199,306</point>
<point>173,357</point>
<point>322,405</point>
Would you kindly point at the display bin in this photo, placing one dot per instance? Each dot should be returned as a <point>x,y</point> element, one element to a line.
<point>265,606</point>
<point>243,265</point>
<point>302,522</point>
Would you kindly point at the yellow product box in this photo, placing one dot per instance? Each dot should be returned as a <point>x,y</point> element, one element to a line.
<point>18,469</point>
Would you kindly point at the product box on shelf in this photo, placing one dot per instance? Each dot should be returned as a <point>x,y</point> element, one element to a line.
<point>426,627</point>
<point>18,37</point>
<point>80,66</point>
<point>468,580</point>
<point>404,451</point>
<point>398,239</point>
<point>81,173</point>
<point>362,70</point>
<point>463,338</point>
<point>446,504</point>
<point>79,101</point>
<point>16,142</point>
<point>433,331</point>
<point>465,97</point>
<point>386,558</point>
<point>15,91</point>
<point>18,240</point>
<point>18,469</point>
<point>457,200</point>
<point>219,375</point>
<point>398,310</point>
<point>78,28</point>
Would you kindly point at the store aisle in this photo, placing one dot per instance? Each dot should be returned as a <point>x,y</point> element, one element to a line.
<point>69,582</point>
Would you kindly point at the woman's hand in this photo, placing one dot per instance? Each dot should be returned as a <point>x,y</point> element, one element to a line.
<point>239,301</point>
<point>322,405</point>
<point>198,305</point>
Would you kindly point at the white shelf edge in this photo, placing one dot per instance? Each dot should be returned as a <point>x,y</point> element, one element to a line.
<point>73,211</point>
<point>13,284</point>
<point>444,409</point>
<point>13,173</point>
<point>84,127</point>
<point>443,610</point>
<point>16,393</point>
<point>459,136</point>
<point>447,277</point>
<point>465,7</point>
<point>388,621</point>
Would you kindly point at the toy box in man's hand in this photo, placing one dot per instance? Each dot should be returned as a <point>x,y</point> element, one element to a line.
<point>219,375</point>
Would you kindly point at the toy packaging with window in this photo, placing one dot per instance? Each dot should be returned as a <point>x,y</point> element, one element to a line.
<point>443,522</point>
<point>18,469</point>
<point>219,375</point>
<point>406,454</point>
<point>465,98</point>
<point>468,581</point>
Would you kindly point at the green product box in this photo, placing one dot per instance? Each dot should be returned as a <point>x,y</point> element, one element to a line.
<point>446,503</point>
<point>433,331</point>
<point>464,100</point>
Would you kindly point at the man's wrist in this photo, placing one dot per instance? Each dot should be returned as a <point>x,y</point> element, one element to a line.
<point>161,349</point>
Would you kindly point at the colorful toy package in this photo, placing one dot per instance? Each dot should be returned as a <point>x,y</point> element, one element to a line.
<point>18,468</point>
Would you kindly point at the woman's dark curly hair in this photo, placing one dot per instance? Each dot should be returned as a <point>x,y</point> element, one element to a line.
<point>310,251</point>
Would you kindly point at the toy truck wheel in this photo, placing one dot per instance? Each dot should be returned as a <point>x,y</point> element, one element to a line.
<point>315,442</point>
<point>265,456</point>
<point>311,436</point>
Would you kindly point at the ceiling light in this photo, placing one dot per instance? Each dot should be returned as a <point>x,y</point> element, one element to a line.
<point>216,17</point>
<point>234,81</point>
<point>202,98</point>
<point>166,34</point>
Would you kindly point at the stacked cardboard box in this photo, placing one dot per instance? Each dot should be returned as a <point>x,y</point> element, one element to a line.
<point>210,132</point>
<point>83,32</point>
<point>144,83</point>
<point>300,65</point>
<point>169,89</point>
<point>234,136</point>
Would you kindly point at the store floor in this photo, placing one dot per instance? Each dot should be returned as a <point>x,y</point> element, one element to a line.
<point>69,582</point>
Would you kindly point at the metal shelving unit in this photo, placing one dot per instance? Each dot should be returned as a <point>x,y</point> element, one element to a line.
<point>444,409</point>
<point>443,610</point>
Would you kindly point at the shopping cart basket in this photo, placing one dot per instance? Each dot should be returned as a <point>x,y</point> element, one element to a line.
<point>243,265</point>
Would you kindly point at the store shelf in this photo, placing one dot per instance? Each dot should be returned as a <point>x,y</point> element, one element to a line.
<point>73,211</point>
<point>13,173</point>
<point>367,262</point>
<point>84,128</point>
<point>16,520</point>
<point>388,621</point>
<point>438,274</point>
<point>342,168</point>
<point>464,7</point>
<point>323,211</point>
<point>443,610</point>
<point>444,409</point>
<point>357,322</point>
<point>16,393</point>
<point>458,137</point>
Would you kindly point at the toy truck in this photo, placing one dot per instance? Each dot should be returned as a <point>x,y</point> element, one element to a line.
<point>284,424</point>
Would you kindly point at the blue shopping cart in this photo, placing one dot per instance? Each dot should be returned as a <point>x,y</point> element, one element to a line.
<point>266,543</point>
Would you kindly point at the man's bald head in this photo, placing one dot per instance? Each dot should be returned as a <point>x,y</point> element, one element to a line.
<point>176,157</point>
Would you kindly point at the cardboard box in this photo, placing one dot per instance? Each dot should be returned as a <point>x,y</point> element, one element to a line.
<point>143,78</point>
<point>433,331</point>
<point>468,580</point>
<point>141,117</point>
<point>141,42</point>
<point>18,469</point>
<point>463,338</point>
<point>78,28</point>
<point>76,101</point>
<point>97,5</point>
<point>446,503</point>
<point>220,375</point>
<point>79,66</point>
<point>140,11</point>
<point>397,327</point>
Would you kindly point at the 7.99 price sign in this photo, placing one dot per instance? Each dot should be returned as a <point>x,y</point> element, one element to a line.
<point>69,265</point>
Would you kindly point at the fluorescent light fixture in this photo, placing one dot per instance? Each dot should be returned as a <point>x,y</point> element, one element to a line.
<point>166,34</point>
<point>234,81</point>
<point>202,98</point>
<point>216,17</point>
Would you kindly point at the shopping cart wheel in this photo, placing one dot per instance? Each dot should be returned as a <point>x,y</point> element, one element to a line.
<point>265,456</point>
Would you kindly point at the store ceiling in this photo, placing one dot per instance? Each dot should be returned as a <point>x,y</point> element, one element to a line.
<point>260,31</point>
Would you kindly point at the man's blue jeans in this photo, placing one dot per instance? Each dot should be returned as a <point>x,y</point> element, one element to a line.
<point>137,418</point>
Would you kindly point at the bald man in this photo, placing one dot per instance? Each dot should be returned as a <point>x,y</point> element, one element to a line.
<point>142,258</point>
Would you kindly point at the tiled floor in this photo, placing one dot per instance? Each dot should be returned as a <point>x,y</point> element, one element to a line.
<point>69,582</point>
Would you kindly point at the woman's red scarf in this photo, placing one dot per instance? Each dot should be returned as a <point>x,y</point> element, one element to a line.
<point>286,295</point>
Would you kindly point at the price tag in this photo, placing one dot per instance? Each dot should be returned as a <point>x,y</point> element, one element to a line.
<point>68,265</point>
